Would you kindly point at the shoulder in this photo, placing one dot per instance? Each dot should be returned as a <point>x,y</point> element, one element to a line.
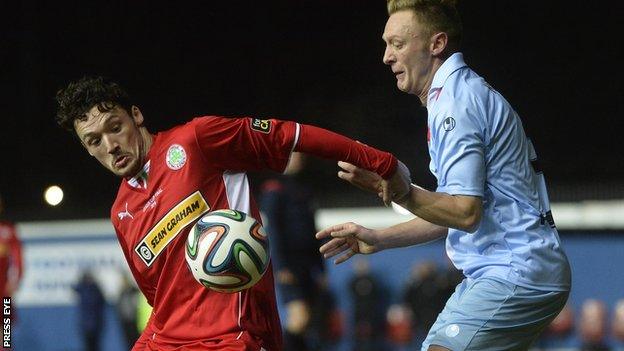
<point>185,136</point>
<point>180,131</point>
<point>214,124</point>
<point>464,96</point>
<point>466,88</point>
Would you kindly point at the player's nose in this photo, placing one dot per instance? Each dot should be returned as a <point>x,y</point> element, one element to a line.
<point>112,146</point>
<point>388,56</point>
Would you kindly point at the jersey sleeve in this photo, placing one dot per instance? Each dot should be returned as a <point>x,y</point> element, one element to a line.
<point>327,144</point>
<point>458,137</point>
<point>245,144</point>
<point>248,144</point>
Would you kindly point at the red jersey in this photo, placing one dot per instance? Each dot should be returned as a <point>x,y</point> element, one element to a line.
<point>11,267</point>
<point>190,170</point>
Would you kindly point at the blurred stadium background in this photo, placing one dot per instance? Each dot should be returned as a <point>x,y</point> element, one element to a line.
<point>315,62</point>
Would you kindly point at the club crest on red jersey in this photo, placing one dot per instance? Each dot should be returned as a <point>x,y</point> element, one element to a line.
<point>261,125</point>
<point>176,157</point>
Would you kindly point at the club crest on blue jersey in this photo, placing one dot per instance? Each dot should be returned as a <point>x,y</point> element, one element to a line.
<point>176,157</point>
<point>452,330</point>
<point>448,124</point>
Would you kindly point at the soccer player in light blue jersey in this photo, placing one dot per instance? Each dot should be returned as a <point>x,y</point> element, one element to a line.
<point>491,202</point>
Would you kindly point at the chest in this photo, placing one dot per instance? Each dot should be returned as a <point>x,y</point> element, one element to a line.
<point>154,218</point>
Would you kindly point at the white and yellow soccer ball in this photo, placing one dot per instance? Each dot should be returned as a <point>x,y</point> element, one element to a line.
<point>227,251</point>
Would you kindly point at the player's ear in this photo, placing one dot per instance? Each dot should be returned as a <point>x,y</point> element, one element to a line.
<point>438,43</point>
<point>137,116</point>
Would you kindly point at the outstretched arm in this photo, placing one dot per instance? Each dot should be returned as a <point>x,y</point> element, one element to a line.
<point>267,144</point>
<point>461,212</point>
<point>394,177</point>
<point>349,239</point>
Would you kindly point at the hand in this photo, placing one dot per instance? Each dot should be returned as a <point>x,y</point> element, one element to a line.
<point>350,238</point>
<point>398,186</point>
<point>360,177</point>
<point>394,188</point>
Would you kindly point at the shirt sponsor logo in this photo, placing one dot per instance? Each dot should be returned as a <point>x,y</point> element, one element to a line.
<point>448,124</point>
<point>176,157</point>
<point>170,225</point>
<point>261,125</point>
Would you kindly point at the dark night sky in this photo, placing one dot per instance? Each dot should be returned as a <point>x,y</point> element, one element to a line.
<point>318,62</point>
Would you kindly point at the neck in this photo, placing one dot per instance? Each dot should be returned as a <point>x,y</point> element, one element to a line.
<point>146,140</point>
<point>424,93</point>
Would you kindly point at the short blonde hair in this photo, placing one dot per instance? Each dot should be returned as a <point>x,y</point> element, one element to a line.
<point>435,15</point>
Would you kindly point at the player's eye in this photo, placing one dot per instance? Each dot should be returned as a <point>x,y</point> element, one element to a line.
<point>116,128</point>
<point>93,142</point>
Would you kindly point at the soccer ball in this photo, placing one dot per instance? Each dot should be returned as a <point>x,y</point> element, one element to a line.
<point>227,251</point>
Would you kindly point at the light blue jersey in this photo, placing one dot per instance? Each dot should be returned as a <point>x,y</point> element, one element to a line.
<point>478,147</point>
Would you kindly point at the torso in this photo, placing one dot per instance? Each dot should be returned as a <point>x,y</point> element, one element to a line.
<point>152,225</point>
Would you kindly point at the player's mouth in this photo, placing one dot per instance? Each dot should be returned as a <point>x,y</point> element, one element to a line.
<point>399,74</point>
<point>121,161</point>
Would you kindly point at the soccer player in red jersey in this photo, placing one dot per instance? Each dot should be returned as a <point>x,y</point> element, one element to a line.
<point>172,178</point>
<point>11,266</point>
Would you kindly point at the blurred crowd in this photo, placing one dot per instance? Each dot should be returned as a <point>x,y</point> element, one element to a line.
<point>313,319</point>
<point>376,323</point>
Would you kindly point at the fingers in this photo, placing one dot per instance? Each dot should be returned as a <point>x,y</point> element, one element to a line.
<point>345,257</point>
<point>338,246</point>
<point>345,232</point>
<point>361,178</point>
<point>331,245</point>
<point>327,232</point>
<point>346,176</point>
<point>347,166</point>
<point>386,193</point>
<point>343,237</point>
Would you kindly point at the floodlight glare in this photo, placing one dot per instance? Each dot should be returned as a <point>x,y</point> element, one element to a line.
<point>53,195</point>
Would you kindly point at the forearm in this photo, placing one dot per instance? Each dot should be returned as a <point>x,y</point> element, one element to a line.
<point>326,144</point>
<point>414,232</point>
<point>451,211</point>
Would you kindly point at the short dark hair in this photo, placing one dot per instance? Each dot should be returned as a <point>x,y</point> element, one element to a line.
<point>80,96</point>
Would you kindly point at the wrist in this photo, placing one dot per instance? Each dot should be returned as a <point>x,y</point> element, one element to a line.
<point>404,201</point>
<point>379,243</point>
